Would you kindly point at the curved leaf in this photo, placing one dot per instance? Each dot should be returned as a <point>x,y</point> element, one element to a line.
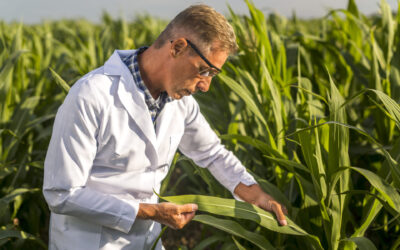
<point>237,209</point>
<point>234,228</point>
<point>388,192</point>
<point>258,144</point>
<point>61,82</point>
<point>244,94</point>
<point>242,210</point>
<point>12,233</point>
<point>363,243</point>
<point>16,192</point>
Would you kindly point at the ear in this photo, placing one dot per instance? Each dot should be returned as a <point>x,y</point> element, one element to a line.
<point>178,46</point>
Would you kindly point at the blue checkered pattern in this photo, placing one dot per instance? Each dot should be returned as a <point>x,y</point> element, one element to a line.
<point>155,106</point>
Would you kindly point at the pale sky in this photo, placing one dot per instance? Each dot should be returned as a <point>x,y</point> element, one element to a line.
<point>34,11</point>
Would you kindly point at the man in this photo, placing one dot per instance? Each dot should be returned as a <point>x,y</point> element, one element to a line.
<point>116,133</point>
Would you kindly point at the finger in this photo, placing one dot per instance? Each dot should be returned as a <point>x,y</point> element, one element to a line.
<point>279,214</point>
<point>186,208</point>
<point>188,216</point>
<point>285,211</point>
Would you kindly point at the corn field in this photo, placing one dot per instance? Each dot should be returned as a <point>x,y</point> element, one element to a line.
<point>311,108</point>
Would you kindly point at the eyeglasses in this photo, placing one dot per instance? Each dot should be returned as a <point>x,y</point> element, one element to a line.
<point>212,70</point>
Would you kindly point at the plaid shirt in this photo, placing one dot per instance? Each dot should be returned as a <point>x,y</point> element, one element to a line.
<point>155,106</point>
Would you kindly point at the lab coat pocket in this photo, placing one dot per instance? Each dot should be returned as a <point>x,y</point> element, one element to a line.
<point>173,146</point>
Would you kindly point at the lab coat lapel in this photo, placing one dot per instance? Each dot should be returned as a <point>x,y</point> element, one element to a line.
<point>163,120</point>
<point>136,107</point>
<point>130,97</point>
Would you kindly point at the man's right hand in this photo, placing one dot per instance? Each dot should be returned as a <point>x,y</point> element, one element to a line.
<point>168,213</point>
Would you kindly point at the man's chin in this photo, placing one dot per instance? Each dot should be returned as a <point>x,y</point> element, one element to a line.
<point>180,94</point>
<point>177,96</point>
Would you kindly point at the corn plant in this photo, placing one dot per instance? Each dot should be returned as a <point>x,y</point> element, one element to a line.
<point>297,101</point>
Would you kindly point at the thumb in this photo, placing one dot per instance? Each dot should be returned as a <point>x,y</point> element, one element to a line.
<point>186,208</point>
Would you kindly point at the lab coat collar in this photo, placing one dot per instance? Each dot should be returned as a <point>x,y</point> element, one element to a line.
<point>131,98</point>
<point>114,65</point>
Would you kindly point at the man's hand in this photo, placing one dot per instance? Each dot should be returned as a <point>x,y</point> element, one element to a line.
<point>255,195</point>
<point>167,213</point>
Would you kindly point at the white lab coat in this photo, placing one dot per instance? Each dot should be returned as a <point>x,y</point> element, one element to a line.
<point>105,157</point>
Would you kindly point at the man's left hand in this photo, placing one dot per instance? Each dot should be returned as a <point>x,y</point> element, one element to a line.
<point>255,195</point>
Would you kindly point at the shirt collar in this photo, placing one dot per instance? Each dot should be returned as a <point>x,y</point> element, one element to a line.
<point>154,106</point>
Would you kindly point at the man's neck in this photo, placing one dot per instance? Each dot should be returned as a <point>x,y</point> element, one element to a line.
<point>150,71</point>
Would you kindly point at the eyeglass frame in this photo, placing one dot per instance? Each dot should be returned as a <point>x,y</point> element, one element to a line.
<point>194,47</point>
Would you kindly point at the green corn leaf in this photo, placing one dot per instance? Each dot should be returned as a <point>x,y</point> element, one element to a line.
<point>390,194</point>
<point>60,82</point>
<point>308,149</point>
<point>6,85</point>
<point>234,228</point>
<point>338,135</point>
<point>377,60</point>
<point>338,156</point>
<point>363,243</point>
<point>392,107</point>
<point>333,181</point>
<point>276,101</point>
<point>288,164</point>
<point>258,23</point>
<point>23,114</point>
<point>244,94</point>
<point>388,26</point>
<point>352,8</point>
<point>373,207</point>
<point>8,65</point>
<point>396,244</point>
<point>392,163</point>
<point>242,210</point>
<point>158,238</point>
<point>238,245</point>
<point>260,145</point>
<point>237,209</point>
<point>12,233</point>
<point>250,103</point>
<point>309,91</point>
<point>17,192</point>
<point>208,241</point>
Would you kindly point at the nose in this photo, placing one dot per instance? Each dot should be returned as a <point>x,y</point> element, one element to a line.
<point>204,84</point>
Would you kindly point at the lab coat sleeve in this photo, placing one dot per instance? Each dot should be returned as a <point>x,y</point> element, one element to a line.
<point>203,146</point>
<point>69,160</point>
